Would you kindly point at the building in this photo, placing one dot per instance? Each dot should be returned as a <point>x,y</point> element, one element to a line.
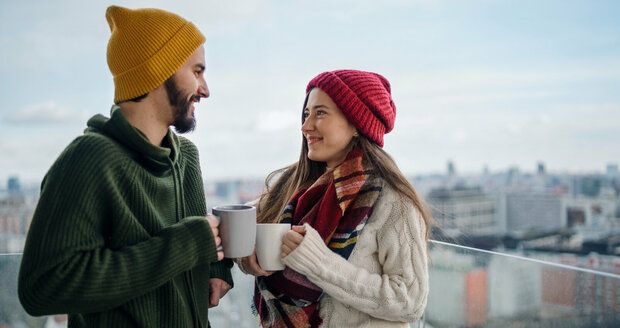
<point>586,294</point>
<point>514,288</point>
<point>540,168</point>
<point>465,210</point>
<point>612,170</point>
<point>16,210</point>
<point>13,185</point>
<point>458,285</point>
<point>533,211</point>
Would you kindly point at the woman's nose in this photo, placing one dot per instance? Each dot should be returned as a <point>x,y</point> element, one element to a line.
<point>307,124</point>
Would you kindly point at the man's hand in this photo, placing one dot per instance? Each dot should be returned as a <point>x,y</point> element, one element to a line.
<point>214,222</point>
<point>217,289</point>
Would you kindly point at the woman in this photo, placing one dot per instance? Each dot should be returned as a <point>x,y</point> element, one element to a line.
<point>357,253</point>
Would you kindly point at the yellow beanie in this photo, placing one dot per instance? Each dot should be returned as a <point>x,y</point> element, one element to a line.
<point>146,47</point>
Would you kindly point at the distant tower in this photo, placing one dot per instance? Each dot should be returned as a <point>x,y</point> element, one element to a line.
<point>612,169</point>
<point>513,174</point>
<point>540,168</point>
<point>451,169</point>
<point>14,185</point>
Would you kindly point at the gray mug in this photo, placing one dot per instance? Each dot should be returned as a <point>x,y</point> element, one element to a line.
<point>237,229</point>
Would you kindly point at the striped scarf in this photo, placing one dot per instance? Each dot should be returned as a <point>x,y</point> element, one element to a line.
<point>337,205</point>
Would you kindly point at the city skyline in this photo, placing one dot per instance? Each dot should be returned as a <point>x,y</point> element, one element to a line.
<point>479,83</point>
<point>612,168</point>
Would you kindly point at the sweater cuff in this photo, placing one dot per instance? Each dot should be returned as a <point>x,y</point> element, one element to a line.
<point>200,231</point>
<point>221,270</point>
<point>309,255</point>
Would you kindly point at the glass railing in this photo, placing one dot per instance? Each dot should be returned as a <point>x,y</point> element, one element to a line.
<point>468,288</point>
<point>11,312</point>
<point>476,288</point>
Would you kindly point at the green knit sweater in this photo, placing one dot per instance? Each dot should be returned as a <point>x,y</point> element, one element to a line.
<point>119,238</point>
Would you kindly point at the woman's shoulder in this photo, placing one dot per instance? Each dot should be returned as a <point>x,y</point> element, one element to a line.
<point>391,199</point>
<point>392,206</point>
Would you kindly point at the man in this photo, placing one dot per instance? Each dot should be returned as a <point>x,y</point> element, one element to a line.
<point>119,237</point>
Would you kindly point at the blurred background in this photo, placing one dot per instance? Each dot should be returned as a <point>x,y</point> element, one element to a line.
<point>508,123</point>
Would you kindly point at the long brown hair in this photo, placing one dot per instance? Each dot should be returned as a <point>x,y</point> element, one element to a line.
<point>303,173</point>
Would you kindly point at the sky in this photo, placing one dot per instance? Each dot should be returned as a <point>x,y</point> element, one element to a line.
<point>497,83</point>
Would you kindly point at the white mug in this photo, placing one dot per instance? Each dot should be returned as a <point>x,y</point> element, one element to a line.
<point>269,245</point>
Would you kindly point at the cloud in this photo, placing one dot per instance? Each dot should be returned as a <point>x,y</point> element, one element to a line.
<point>44,113</point>
<point>487,84</point>
<point>32,154</point>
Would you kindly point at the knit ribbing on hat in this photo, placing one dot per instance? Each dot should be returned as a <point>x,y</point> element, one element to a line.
<point>146,47</point>
<point>363,97</point>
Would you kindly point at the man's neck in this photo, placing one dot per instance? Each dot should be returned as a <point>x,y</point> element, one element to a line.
<point>145,117</point>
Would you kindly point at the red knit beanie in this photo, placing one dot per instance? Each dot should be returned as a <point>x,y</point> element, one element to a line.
<point>364,98</point>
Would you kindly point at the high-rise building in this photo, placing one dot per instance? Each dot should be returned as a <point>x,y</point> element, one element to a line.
<point>512,176</point>
<point>591,185</point>
<point>13,185</point>
<point>612,170</point>
<point>534,211</point>
<point>451,169</point>
<point>540,168</point>
<point>467,210</point>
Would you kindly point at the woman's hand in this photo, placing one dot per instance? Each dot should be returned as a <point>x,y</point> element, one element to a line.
<point>249,265</point>
<point>292,239</point>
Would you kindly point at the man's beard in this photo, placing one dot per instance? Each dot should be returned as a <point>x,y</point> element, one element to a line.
<point>181,104</point>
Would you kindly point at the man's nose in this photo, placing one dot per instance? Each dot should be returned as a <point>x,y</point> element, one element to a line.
<point>203,91</point>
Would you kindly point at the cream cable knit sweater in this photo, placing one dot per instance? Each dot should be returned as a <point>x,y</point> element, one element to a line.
<point>384,283</point>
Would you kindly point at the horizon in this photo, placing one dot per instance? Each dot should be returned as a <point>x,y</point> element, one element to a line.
<point>34,183</point>
<point>478,82</point>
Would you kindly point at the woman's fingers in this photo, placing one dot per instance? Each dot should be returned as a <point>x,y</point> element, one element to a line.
<point>251,266</point>
<point>286,250</point>
<point>292,239</point>
<point>299,229</point>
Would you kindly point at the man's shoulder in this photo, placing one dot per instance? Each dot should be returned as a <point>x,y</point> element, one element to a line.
<point>186,143</point>
<point>86,155</point>
<point>97,142</point>
<point>187,147</point>
<point>92,147</point>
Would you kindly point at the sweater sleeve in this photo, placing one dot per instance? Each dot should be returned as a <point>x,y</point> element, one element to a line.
<point>68,266</point>
<point>193,179</point>
<point>398,294</point>
<point>221,270</point>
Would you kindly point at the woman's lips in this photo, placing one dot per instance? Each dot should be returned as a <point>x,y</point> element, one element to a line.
<point>313,140</point>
